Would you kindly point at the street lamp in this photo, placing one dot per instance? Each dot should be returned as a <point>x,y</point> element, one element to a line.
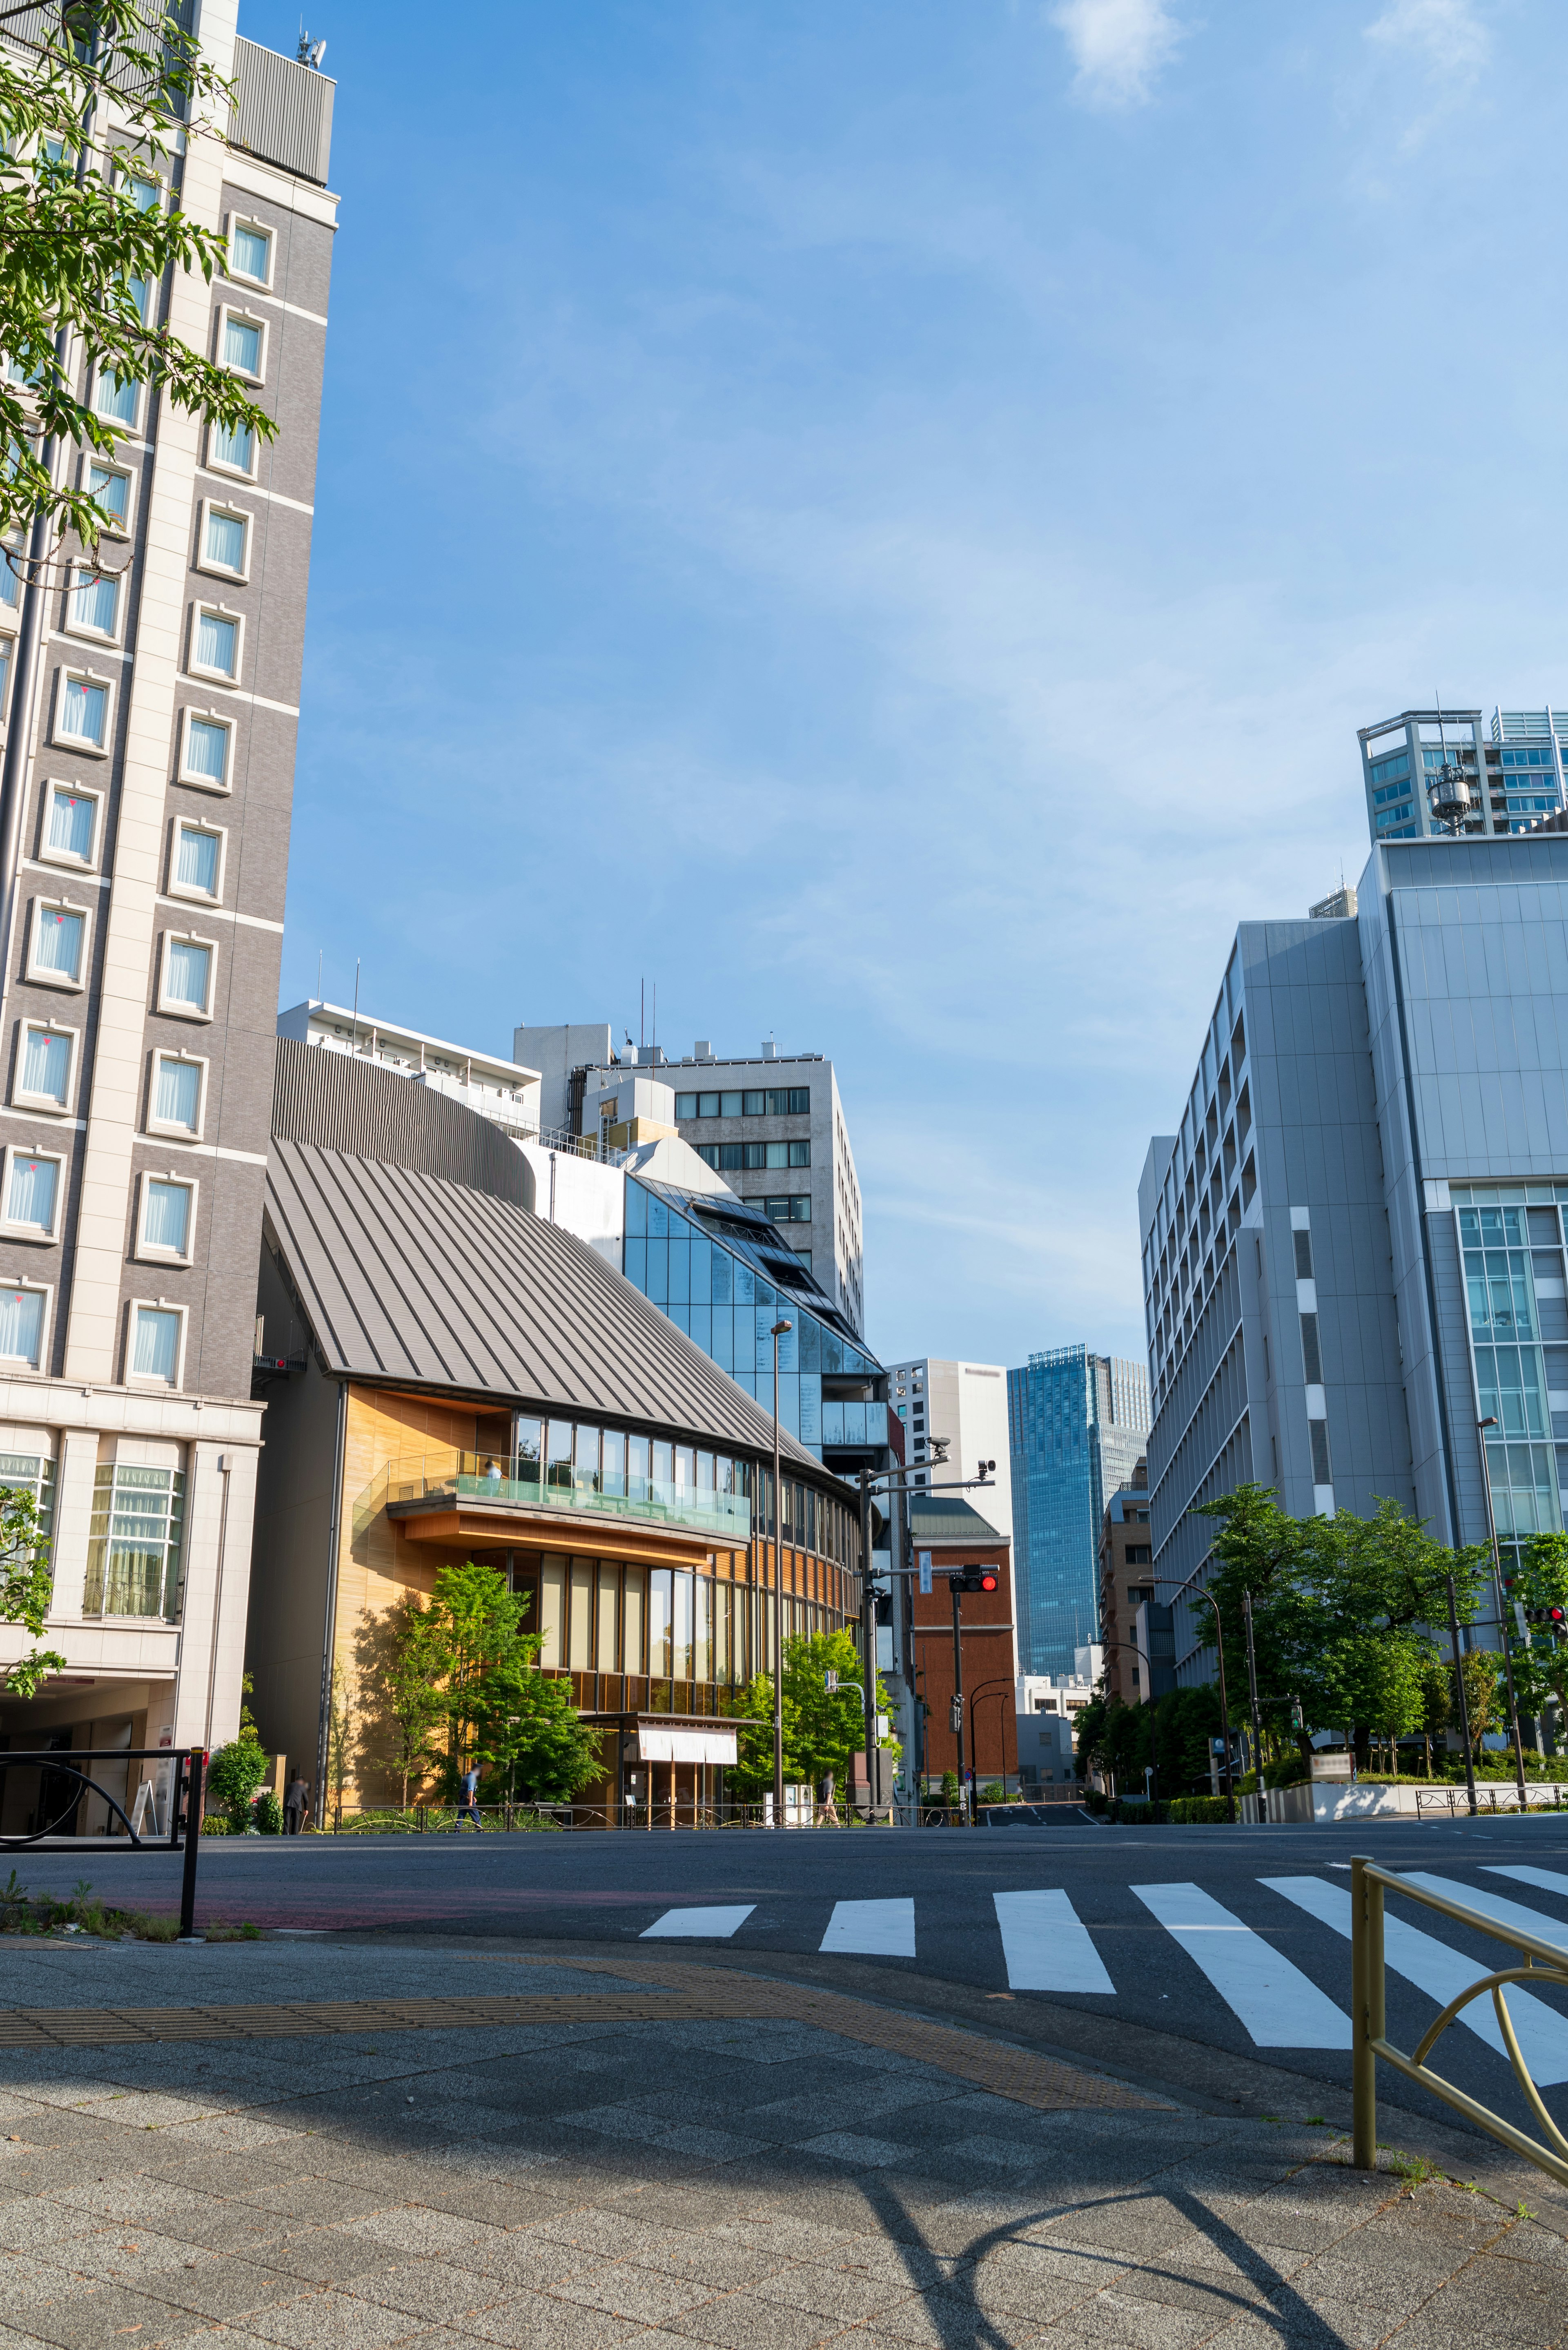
<point>1496,1590</point>
<point>777,1332</point>
<point>1224,1708</point>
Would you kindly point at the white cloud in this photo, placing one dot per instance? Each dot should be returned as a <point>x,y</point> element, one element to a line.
<point>1118,47</point>
<point>1448,35</point>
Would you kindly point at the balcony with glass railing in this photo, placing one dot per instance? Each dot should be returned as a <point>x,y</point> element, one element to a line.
<point>480,1479</point>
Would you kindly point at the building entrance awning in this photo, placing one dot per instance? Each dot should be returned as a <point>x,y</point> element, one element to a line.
<point>684,1741</point>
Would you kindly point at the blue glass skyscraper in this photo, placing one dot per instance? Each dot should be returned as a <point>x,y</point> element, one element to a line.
<point>1076,1425</point>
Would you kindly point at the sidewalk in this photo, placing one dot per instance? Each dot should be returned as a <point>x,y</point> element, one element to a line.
<point>676,2157</point>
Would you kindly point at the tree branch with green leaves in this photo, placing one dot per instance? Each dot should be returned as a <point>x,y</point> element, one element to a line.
<point>26,1587</point>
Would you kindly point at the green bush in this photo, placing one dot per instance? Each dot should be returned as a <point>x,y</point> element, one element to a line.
<point>267,1813</point>
<point>1194,1811</point>
<point>993,1794</point>
<point>1288,1772</point>
<point>215,1824</point>
<point>1137,1810</point>
<point>1098,1802</point>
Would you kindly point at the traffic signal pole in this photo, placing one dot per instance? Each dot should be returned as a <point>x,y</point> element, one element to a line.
<point>955,1586</point>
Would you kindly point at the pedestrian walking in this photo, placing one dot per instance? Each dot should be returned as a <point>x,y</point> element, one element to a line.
<point>296,1804</point>
<point>469,1807</point>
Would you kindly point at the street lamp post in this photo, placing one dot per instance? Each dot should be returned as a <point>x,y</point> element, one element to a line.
<point>778,1331</point>
<point>1464,1701</point>
<point>1133,1650</point>
<point>869,1645</point>
<point>1482,1425</point>
<point>1252,1688</point>
<point>954,1588</point>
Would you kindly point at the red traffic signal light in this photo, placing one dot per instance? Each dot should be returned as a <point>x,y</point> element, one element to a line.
<point>974,1578</point>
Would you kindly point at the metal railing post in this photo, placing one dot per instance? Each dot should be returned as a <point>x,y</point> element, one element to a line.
<point>1363,2064</point>
<point>195,1775</point>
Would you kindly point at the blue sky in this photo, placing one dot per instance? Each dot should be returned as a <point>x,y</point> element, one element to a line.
<point>883,517</point>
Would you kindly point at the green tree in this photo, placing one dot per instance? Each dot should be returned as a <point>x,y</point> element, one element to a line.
<point>823,1728</point>
<point>1541,1661</point>
<point>235,1772</point>
<point>87,236</point>
<point>405,1664</point>
<point>26,1587</point>
<point>1482,1671</point>
<point>501,1711</point>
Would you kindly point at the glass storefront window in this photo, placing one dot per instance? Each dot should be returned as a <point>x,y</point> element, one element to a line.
<point>614,1471</point>
<point>663,1462</point>
<point>685,1468</point>
<point>587,1459</point>
<point>558,1454</point>
<point>637,1448</point>
<point>530,1434</point>
<point>659,1623</point>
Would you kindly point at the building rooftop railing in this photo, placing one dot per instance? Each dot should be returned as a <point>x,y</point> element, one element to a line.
<point>484,1477</point>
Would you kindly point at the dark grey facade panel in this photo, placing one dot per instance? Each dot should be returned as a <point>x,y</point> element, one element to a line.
<point>341,1104</point>
<point>407,1276</point>
<point>282,112</point>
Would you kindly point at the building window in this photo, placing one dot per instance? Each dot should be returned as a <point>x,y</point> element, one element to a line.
<point>32,1194</point>
<point>1312,1353</point>
<point>81,717</point>
<point>206,745</point>
<point>24,1316</point>
<point>232,448</point>
<point>45,1064</point>
<point>178,1084</point>
<point>108,486</point>
<point>115,402</point>
<point>241,344</point>
<point>250,252</point>
<point>93,610</point>
<point>70,825</point>
<point>225,540</point>
<point>196,868</point>
<point>157,1342</point>
<point>134,1542</point>
<point>215,641</point>
<point>58,953</point>
<point>167,1219</point>
<point>1322,1471</point>
<point>794,1208</point>
<point>1304,1254</point>
<point>187,968</point>
<point>789,1101</point>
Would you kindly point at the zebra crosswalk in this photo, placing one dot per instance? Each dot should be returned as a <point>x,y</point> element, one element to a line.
<point>1046,1946</point>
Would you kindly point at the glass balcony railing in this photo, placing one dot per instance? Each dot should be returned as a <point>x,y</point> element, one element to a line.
<point>854,1423</point>
<point>485,1477</point>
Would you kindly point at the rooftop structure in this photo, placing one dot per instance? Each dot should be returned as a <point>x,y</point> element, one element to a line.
<point>503,1091</point>
<point>1512,771</point>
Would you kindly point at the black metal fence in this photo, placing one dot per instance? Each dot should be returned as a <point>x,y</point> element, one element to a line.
<point>65,1784</point>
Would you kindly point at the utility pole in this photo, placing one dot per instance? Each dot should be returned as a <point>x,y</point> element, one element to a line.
<point>1252,1692</point>
<point>955,1586</point>
<point>1482,1425</point>
<point>868,1646</point>
<point>1464,1701</point>
<point>778,1331</point>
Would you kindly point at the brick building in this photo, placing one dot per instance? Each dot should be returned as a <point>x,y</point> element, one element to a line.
<point>948,1536</point>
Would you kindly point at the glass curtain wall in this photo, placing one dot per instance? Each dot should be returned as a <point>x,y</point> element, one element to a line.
<point>1511,1240</point>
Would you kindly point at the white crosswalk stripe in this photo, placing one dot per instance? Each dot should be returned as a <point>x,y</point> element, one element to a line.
<point>1279,2006</point>
<point>1492,1905</point>
<point>1442,1973</point>
<point>1549,1880</point>
<point>712,1925</point>
<point>879,1929</point>
<point>1045,1945</point>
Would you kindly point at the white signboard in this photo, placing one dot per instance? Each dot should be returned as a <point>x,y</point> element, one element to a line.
<point>924,1570</point>
<point>715,1745</point>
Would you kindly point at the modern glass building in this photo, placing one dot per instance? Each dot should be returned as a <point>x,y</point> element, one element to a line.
<point>1077,1423</point>
<point>1514,768</point>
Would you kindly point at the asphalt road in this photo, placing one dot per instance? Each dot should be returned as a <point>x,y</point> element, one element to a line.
<point>1175,1953</point>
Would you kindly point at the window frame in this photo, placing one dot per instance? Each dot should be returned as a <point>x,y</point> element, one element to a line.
<point>20,1097</point>
<point>99,460</point>
<point>149,176</point>
<point>168,1007</point>
<point>13,1232</point>
<point>229,511</point>
<point>62,857</point>
<point>144,1379</point>
<point>46,1290</point>
<point>128,427</point>
<point>79,572</point>
<point>153,1124</point>
<point>71,673</point>
<point>235,310</point>
<point>184,772</point>
<point>260,228</point>
<point>173,886</point>
<point>209,607</point>
<point>37,975</point>
<point>146,1252</point>
<point>225,466</point>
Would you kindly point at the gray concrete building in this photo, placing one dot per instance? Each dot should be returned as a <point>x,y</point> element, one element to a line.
<point>773,1127</point>
<point>1353,1243</point>
<point>1512,770</point>
<point>148,779</point>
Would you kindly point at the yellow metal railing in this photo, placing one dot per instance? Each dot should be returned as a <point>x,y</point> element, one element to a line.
<point>1543,1963</point>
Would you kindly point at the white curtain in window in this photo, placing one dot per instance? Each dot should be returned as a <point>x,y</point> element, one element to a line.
<point>10,585</point>
<point>95,602</point>
<point>86,709</point>
<point>58,941</point>
<point>116,400</point>
<point>71,819</point>
<point>227,541</point>
<point>45,1065</point>
<point>188,974</point>
<point>166,1219</point>
<point>217,642</point>
<point>21,1326</point>
<point>235,446</point>
<point>207,749</point>
<point>110,490</point>
<point>250,253</point>
<point>196,865</point>
<point>30,1198</point>
<point>242,346</point>
<point>179,1095</point>
<point>156,1353</point>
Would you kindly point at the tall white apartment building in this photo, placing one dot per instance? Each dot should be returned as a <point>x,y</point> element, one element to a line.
<point>773,1127</point>
<point>967,1404</point>
<point>149,731</point>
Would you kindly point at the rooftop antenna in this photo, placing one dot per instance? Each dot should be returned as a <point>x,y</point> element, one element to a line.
<point>642,1016</point>
<point>1448,790</point>
<point>309,53</point>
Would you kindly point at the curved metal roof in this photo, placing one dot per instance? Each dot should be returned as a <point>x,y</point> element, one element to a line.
<point>409,1277</point>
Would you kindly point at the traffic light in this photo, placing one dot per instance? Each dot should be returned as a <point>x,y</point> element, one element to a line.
<point>974,1578</point>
